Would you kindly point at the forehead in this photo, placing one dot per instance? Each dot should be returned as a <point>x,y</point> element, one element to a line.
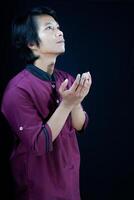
<point>44,20</point>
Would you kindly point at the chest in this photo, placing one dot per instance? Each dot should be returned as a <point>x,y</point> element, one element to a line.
<point>46,97</point>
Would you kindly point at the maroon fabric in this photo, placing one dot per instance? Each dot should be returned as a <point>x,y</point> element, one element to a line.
<point>42,169</point>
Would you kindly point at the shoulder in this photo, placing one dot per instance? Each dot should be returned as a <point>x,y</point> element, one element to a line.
<point>19,84</point>
<point>19,79</point>
<point>23,80</point>
<point>16,92</point>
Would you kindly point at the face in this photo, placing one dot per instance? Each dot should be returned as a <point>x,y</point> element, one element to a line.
<point>50,35</point>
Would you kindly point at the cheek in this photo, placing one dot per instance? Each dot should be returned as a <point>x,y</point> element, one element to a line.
<point>47,41</point>
<point>43,38</point>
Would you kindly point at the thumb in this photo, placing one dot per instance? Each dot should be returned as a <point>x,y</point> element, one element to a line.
<point>63,85</point>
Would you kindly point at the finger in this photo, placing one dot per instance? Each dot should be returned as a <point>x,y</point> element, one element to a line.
<point>85,87</point>
<point>75,83</point>
<point>80,88</point>
<point>83,78</point>
<point>63,86</point>
<point>84,84</point>
<point>88,76</point>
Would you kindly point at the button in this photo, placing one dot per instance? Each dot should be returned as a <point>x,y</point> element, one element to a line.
<point>21,128</point>
<point>53,86</point>
<point>58,101</point>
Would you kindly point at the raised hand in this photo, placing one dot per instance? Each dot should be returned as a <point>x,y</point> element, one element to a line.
<point>77,92</point>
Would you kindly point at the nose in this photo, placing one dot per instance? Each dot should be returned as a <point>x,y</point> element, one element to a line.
<point>59,33</point>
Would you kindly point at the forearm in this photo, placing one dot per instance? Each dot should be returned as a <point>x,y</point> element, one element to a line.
<point>58,119</point>
<point>78,117</point>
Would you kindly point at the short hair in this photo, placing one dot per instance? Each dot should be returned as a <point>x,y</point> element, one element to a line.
<point>24,32</point>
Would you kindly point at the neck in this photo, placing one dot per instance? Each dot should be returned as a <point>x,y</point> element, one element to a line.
<point>46,63</point>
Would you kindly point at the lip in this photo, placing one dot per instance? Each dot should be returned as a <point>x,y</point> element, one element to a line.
<point>61,41</point>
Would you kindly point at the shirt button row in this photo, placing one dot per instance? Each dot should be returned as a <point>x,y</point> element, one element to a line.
<point>21,128</point>
<point>53,86</point>
<point>58,101</point>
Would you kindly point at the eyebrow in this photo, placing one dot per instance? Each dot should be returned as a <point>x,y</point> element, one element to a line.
<point>50,23</point>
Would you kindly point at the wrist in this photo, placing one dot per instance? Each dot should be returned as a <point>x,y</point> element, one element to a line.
<point>66,106</point>
<point>78,106</point>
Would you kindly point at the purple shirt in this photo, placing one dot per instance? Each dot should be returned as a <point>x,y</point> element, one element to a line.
<point>42,169</point>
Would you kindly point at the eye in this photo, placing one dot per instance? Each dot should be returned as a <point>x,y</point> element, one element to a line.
<point>49,28</point>
<point>58,27</point>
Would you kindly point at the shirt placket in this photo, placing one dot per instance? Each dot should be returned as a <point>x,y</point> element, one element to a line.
<point>55,92</point>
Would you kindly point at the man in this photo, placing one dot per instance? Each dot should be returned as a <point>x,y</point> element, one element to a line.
<point>43,107</point>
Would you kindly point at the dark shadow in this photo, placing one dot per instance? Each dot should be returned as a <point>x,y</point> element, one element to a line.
<point>6,142</point>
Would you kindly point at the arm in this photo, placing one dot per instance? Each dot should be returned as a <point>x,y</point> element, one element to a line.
<point>24,119</point>
<point>58,119</point>
<point>71,102</point>
<point>78,117</point>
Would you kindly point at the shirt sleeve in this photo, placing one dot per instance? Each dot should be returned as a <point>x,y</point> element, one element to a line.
<point>25,121</point>
<point>71,80</point>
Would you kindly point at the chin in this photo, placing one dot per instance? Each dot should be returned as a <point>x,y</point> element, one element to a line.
<point>61,52</point>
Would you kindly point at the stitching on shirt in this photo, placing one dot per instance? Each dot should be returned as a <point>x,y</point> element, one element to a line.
<point>47,138</point>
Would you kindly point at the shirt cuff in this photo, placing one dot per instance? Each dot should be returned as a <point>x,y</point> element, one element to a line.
<point>48,137</point>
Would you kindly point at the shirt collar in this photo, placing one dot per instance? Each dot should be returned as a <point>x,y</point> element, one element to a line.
<point>40,73</point>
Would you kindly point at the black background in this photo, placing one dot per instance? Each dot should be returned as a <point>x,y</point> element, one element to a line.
<point>99,38</point>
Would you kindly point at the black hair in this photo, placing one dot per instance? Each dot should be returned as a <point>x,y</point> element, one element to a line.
<point>24,32</point>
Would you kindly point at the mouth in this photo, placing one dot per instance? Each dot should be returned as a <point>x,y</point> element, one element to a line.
<point>62,41</point>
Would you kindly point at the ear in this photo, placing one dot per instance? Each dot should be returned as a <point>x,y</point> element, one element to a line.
<point>32,46</point>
